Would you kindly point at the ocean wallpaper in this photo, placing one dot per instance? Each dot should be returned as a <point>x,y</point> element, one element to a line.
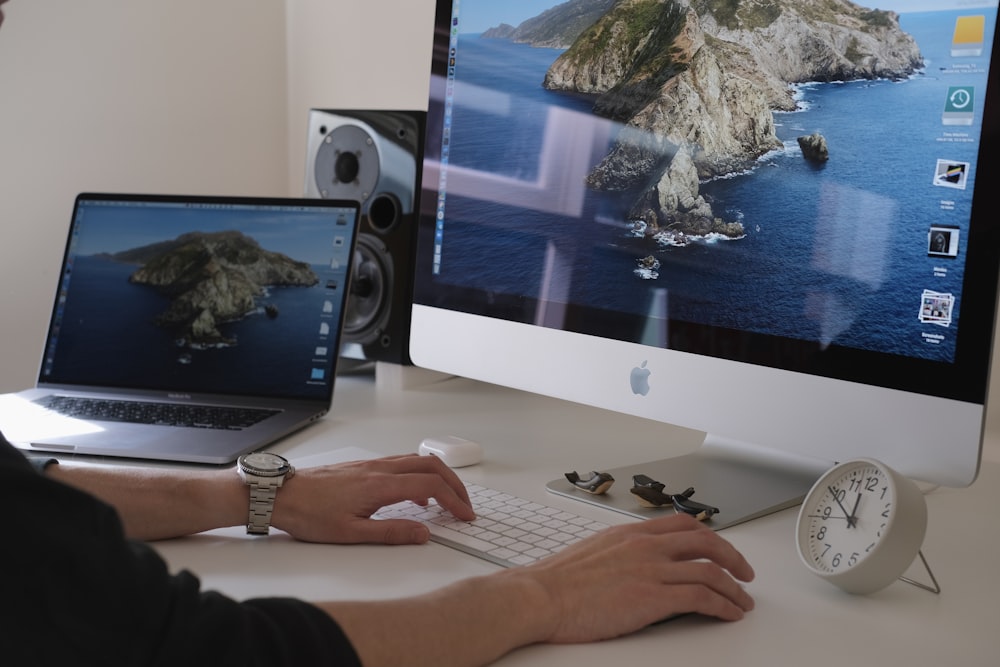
<point>814,182</point>
<point>241,301</point>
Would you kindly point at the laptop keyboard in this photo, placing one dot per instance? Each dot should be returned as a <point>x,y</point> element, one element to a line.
<point>163,414</point>
<point>508,530</point>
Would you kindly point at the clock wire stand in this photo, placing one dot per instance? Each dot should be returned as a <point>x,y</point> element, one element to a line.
<point>935,588</point>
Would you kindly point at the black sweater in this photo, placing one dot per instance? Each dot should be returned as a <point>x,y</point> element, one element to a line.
<point>75,591</point>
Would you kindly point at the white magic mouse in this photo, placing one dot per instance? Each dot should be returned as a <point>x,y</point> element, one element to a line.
<point>454,451</point>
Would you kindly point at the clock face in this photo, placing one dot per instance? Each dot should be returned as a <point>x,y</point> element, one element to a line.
<point>846,516</point>
<point>861,525</point>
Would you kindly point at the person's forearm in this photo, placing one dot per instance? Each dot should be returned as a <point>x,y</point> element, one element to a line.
<point>159,503</point>
<point>472,622</point>
<point>320,504</point>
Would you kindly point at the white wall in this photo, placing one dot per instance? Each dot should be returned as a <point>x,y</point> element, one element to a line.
<point>200,96</point>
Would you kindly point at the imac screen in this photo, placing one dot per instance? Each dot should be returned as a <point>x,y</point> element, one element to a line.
<point>760,184</point>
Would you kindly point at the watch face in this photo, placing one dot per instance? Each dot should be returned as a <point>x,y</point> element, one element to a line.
<point>264,463</point>
<point>846,516</point>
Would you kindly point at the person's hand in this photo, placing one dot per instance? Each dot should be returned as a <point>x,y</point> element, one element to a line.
<point>335,503</point>
<point>610,584</point>
<point>632,575</point>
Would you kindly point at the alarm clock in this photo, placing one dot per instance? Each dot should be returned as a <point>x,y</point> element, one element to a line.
<point>861,526</point>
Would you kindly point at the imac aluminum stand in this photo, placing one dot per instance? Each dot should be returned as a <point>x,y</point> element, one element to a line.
<point>743,481</point>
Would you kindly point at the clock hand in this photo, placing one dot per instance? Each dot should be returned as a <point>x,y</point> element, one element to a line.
<point>833,492</point>
<point>852,521</point>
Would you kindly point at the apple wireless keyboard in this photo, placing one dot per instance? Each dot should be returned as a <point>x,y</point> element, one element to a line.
<point>508,530</point>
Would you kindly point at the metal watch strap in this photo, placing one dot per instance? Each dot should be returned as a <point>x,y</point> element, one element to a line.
<point>261,506</point>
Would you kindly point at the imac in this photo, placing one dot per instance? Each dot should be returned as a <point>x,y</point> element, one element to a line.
<point>755,222</point>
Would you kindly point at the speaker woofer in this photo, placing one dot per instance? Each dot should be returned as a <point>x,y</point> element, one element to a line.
<point>366,316</point>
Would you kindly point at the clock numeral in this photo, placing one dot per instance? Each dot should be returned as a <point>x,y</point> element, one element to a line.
<point>821,533</point>
<point>853,559</point>
<point>835,561</point>
<point>871,484</point>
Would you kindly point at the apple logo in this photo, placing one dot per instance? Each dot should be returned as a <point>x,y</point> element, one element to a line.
<point>639,379</point>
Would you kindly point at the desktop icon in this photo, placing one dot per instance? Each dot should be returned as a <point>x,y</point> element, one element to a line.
<point>324,329</point>
<point>318,374</point>
<point>951,174</point>
<point>322,351</point>
<point>942,241</point>
<point>967,40</point>
<point>936,308</point>
<point>639,379</point>
<point>959,106</point>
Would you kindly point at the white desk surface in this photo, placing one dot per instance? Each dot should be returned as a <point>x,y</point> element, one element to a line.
<point>529,440</point>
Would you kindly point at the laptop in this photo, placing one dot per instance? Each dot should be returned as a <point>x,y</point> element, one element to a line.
<point>189,328</point>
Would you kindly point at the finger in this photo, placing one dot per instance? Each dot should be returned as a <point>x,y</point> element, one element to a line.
<point>419,487</point>
<point>414,463</point>
<point>710,577</point>
<point>692,545</point>
<point>704,600</point>
<point>697,557</point>
<point>690,539</point>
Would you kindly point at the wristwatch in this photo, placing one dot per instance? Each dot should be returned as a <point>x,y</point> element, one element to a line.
<point>263,472</point>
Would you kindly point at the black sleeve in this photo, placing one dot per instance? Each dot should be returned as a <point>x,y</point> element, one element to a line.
<point>75,591</point>
<point>39,462</point>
